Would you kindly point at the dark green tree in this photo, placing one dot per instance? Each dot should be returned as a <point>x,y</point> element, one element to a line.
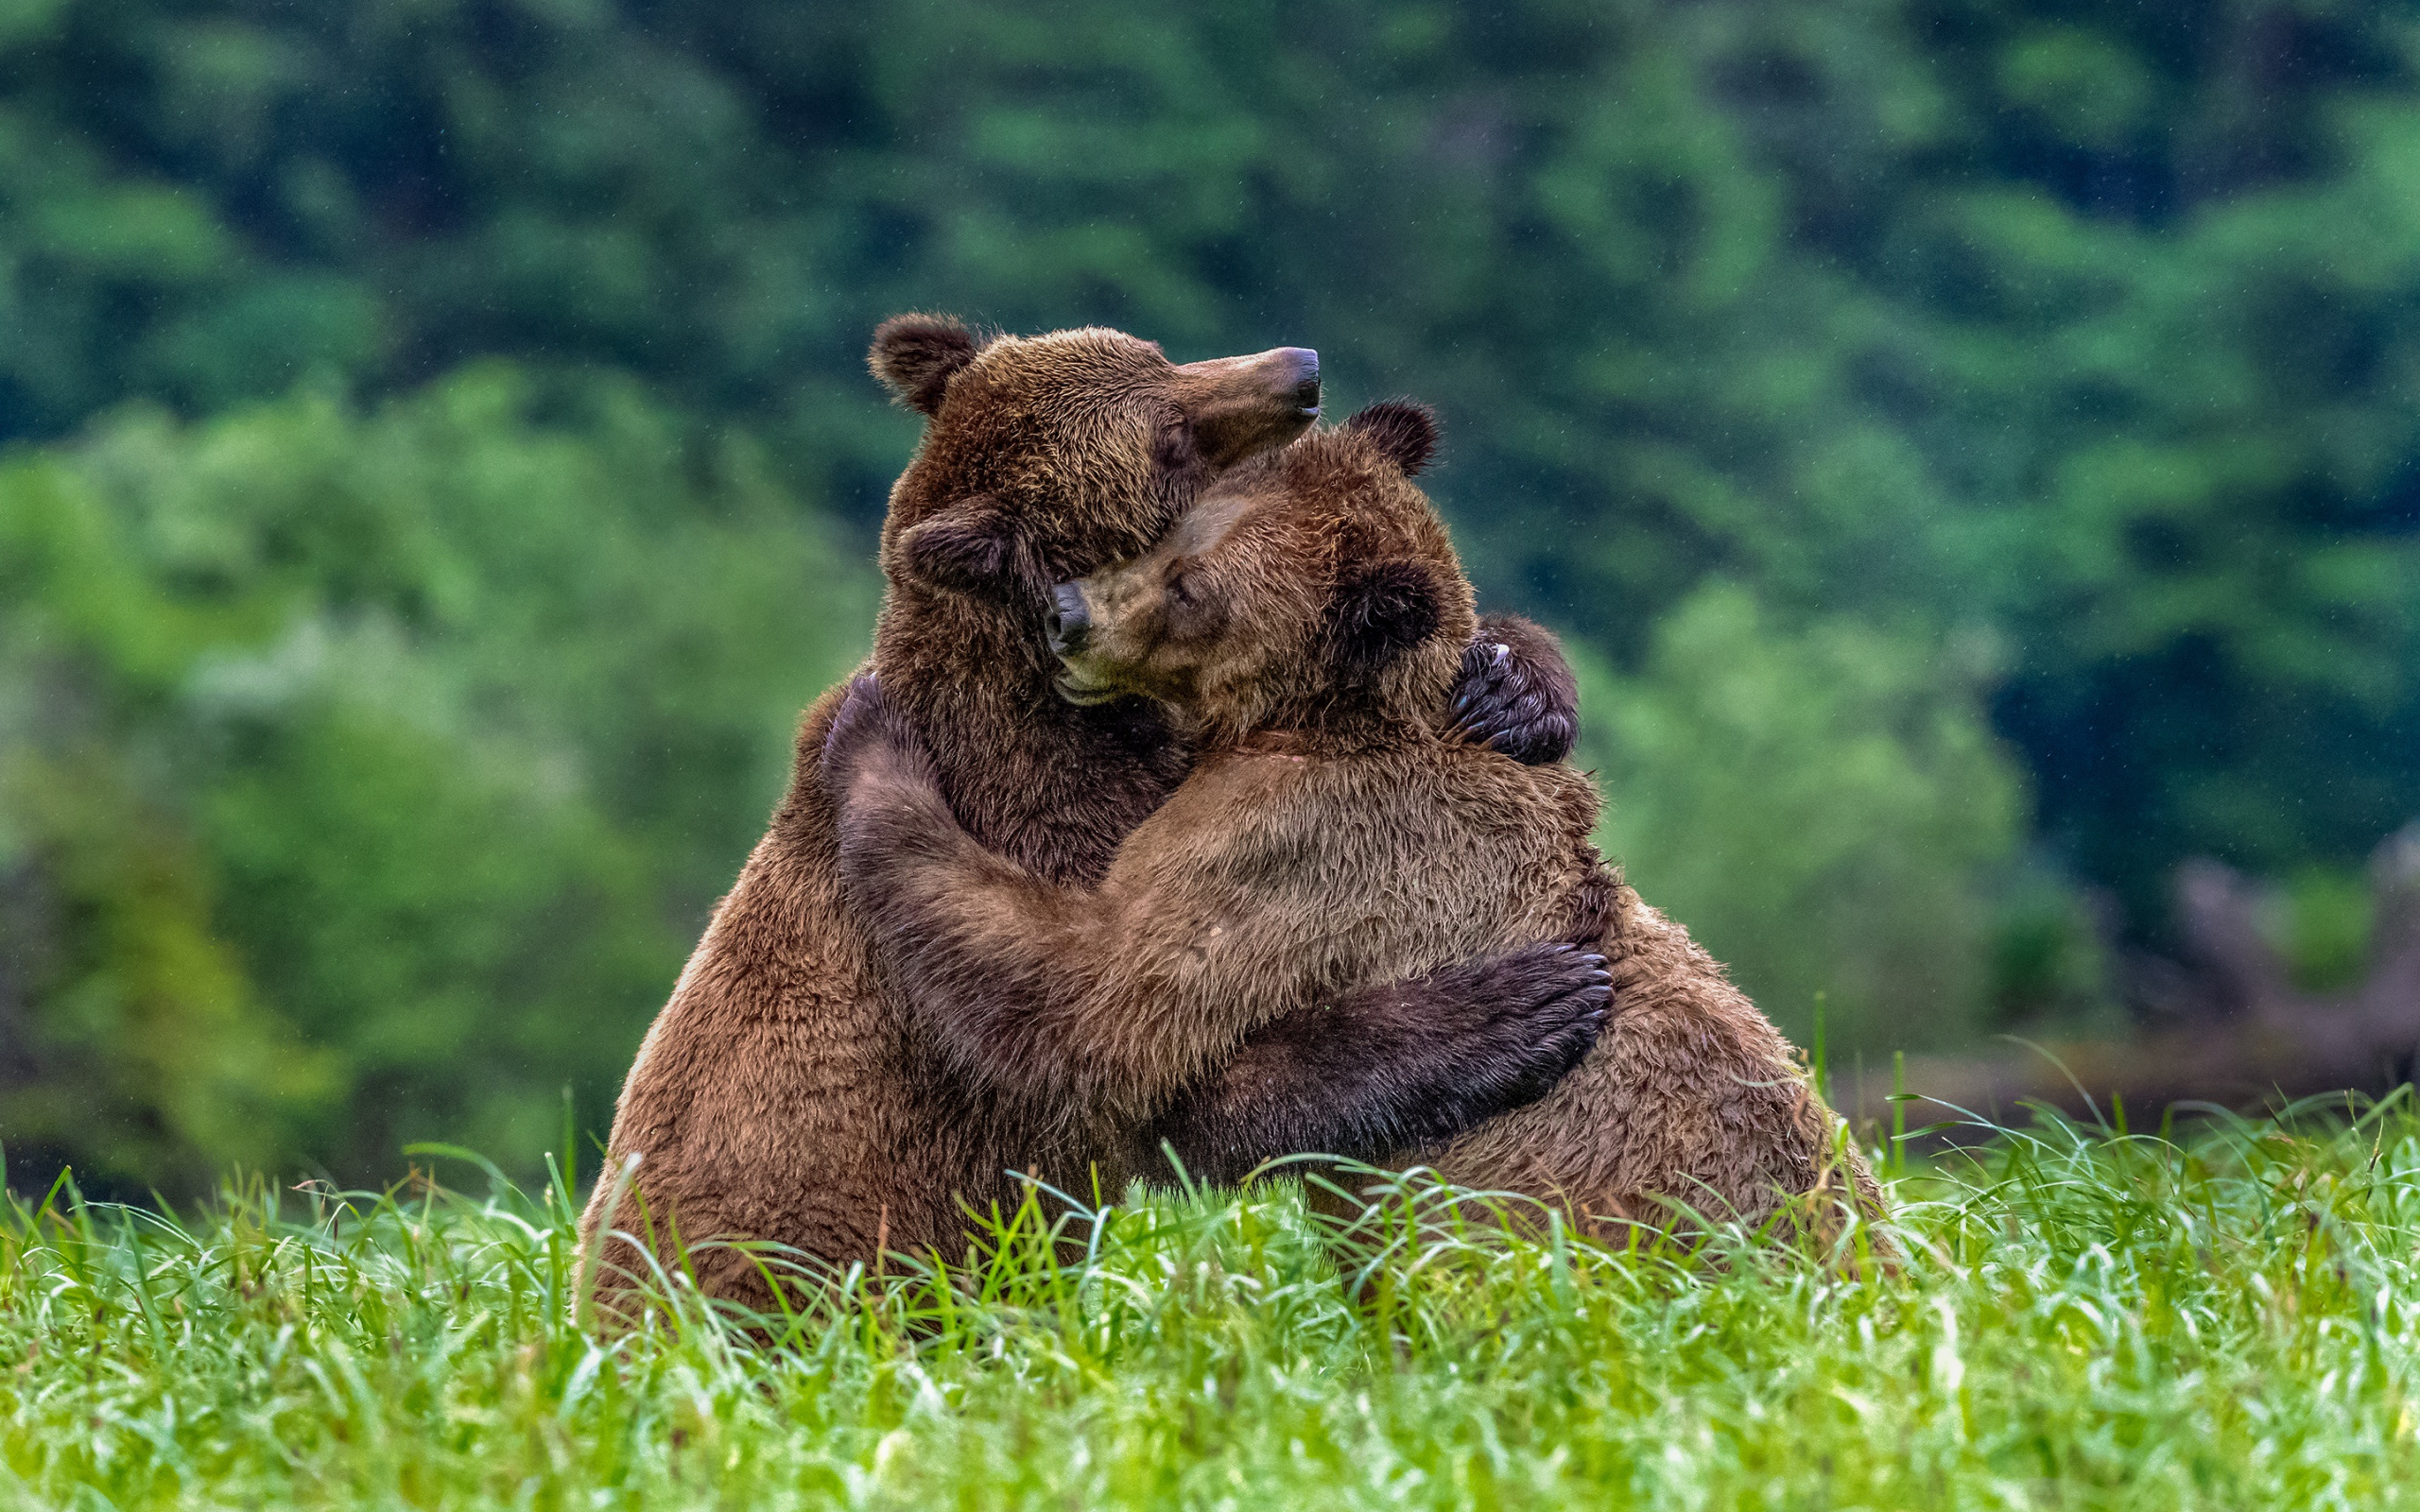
<point>2045,359</point>
<point>367,774</point>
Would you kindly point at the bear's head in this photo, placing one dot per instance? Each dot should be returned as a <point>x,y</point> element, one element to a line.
<point>1046,457</point>
<point>1311,589</point>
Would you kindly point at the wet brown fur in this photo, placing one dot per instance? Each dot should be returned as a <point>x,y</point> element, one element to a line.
<point>786,1092</point>
<point>1332,832</point>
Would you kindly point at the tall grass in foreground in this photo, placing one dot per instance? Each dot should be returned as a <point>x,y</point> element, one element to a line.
<point>2227,1320</point>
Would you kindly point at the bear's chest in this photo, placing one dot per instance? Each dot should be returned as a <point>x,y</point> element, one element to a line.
<point>1061,811</point>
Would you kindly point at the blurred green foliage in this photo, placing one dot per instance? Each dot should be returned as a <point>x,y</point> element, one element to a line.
<point>2326,923</point>
<point>368,773</point>
<point>2022,389</point>
<point>1824,808</point>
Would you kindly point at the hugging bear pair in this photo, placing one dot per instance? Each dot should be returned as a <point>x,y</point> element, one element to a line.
<point>1008,919</point>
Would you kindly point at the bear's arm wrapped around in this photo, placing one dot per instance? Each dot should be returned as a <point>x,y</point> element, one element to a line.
<point>1387,1067</point>
<point>1106,1000</point>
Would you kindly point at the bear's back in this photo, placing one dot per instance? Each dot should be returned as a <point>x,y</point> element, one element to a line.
<point>782,1094</point>
<point>1432,852</point>
<point>1382,864</point>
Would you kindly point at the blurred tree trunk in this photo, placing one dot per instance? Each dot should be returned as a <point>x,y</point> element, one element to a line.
<point>2261,1040</point>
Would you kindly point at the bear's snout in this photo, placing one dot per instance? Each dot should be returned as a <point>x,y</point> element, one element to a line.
<point>1305,365</point>
<point>1240,406</point>
<point>1071,623</point>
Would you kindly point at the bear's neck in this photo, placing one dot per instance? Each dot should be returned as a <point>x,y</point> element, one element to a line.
<point>1325,724</point>
<point>1052,786</point>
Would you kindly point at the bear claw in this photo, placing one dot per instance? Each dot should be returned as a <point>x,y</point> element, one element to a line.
<point>1505,705</point>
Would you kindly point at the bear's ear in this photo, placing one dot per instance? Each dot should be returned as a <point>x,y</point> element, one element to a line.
<point>971,547</point>
<point>1381,610</point>
<point>915,355</point>
<point>1402,430</point>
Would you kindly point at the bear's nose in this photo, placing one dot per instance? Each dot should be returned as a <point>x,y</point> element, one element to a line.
<point>1305,364</point>
<point>1070,622</point>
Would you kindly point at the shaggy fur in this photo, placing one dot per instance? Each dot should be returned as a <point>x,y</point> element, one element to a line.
<point>786,1092</point>
<point>1307,621</point>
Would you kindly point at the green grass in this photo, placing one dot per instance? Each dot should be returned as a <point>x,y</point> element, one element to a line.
<point>2227,1320</point>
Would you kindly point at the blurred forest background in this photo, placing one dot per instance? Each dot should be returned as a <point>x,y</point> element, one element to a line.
<point>1969,443</point>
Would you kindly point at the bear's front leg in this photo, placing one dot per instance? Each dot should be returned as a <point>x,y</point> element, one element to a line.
<point>1399,1064</point>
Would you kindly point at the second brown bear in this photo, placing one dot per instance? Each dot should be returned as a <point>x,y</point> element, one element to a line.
<point>1305,622</point>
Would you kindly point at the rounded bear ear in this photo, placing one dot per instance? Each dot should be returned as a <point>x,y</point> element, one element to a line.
<point>915,356</point>
<point>1381,610</point>
<point>1402,429</point>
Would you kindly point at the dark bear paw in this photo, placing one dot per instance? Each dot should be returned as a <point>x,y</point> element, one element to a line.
<point>1517,695</point>
<point>1556,998</point>
<point>1544,1006</point>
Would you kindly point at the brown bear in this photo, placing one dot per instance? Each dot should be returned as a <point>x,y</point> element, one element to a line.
<point>786,1092</point>
<point>1304,623</point>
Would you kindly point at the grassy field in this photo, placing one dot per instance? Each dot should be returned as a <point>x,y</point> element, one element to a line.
<point>2224,1320</point>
